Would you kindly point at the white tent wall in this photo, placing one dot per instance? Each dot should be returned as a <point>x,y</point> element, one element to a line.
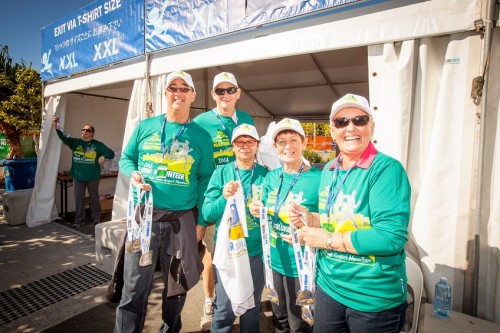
<point>426,119</point>
<point>489,269</point>
<point>42,209</point>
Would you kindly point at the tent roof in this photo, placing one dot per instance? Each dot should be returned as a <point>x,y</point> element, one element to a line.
<point>302,86</point>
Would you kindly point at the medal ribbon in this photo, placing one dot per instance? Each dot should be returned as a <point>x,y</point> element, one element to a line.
<point>278,204</point>
<point>247,193</point>
<point>331,196</point>
<point>266,247</point>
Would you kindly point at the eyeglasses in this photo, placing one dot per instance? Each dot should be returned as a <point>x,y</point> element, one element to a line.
<point>342,122</point>
<point>250,143</point>
<point>183,90</point>
<point>230,90</point>
<point>88,130</point>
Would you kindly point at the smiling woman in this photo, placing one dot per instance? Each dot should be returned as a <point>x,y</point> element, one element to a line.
<point>360,230</point>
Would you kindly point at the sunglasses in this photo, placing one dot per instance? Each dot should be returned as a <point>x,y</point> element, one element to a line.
<point>230,91</point>
<point>183,90</point>
<point>88,130</point>
<point>245,143</point>
<point>357,121</point>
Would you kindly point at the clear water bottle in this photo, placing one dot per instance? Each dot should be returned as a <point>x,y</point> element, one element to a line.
<point>442,298</point>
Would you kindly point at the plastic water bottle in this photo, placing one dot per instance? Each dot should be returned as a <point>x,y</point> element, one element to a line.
<point>442,298</point>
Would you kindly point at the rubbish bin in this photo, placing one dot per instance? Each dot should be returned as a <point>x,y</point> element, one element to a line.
<point>19,173</point>
<point>15,206</point>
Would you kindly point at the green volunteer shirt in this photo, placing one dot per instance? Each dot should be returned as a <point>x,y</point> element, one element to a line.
<point>373,203</point>
<point>214,204</point>
<point>178,177</point>
<point>220,130</point>
<point>303,192</point>
<point>85,157</point>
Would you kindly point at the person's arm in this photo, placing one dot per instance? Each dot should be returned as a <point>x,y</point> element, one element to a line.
<point>215,202</point>
<point>107,152</point>
<point>390,196</point>
<point>205,172</point>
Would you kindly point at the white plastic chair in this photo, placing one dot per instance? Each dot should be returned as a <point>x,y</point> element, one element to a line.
<point>416,282</point>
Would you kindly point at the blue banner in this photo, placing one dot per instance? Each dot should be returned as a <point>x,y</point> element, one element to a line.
<point>99,34</point>
<point>174,22</point>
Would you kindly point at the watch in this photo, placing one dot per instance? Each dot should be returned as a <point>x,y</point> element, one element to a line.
<point>329,242</point>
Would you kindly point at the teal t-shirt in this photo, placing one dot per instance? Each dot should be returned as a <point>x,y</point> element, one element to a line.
<point>303,192</point>
<point>373,203</point>
<point>178,177</point>
<point>214,204</point>
<point>85,157</point>
<point>221,131</point>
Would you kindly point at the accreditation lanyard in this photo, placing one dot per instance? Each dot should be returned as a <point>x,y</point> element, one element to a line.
<point>332,194</point>
<point>266,250</point>
<point>139,232</point>
<point>278,204</point>
<point>165,148</point>
<point>246,192</point>
<point>222,124</point>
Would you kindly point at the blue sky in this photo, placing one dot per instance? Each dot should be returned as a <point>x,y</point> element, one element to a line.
<point>22,20</point>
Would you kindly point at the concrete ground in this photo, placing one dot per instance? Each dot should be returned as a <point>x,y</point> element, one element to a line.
<point>30,255</point>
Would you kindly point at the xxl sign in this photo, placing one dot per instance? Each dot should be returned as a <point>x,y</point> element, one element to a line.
<point>98,34</point>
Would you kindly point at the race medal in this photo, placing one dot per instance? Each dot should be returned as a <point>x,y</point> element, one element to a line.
<point>129,247</point>
<point>136,245</point>
<point>305,297</point>
<point>308,314</point>
<point>146,259</point>
<point>273,296</point>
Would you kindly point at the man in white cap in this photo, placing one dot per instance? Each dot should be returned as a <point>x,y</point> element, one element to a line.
<point>219,123</point>
<point>172,157</point>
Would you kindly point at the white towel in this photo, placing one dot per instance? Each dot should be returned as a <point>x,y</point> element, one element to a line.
<point>231,255</point>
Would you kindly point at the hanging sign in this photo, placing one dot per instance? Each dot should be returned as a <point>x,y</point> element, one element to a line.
<point>99,34</point>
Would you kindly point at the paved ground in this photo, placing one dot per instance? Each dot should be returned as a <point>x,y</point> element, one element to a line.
<point>28,256</point>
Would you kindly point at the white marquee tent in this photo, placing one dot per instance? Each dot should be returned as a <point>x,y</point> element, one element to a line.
<point>415,60</point>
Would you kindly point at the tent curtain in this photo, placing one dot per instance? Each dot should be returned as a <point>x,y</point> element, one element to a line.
<point>42,208</point>
<point>425,118</point>
<point>144,91</point>
<point>489,268</point>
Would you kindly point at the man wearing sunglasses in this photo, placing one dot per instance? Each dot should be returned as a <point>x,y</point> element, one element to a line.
<point>87,157</point>
<point>170,157</point>
<point>219,123</point>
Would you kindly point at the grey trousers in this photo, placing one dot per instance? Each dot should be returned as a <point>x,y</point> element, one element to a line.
<point>79,193</point>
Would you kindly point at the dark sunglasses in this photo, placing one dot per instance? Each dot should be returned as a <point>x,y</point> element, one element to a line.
<point>88,130</point>
<point>230,91</point>
<point>247,143</point>
<point>357,121</point>
<point>183,90</point>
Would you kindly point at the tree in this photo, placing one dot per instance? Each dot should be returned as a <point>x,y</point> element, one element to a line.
<point>20,101</point>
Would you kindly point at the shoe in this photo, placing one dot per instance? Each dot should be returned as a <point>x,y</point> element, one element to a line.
<point>77,225</point>
<point>206,320</point>
<point>96,222</point>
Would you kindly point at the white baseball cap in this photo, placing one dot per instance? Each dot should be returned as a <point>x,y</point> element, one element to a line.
<point>245,129</point>
<point>287,124</point>
<point>224,77</point>
<point>180,75</point>
<point>351,100</point>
